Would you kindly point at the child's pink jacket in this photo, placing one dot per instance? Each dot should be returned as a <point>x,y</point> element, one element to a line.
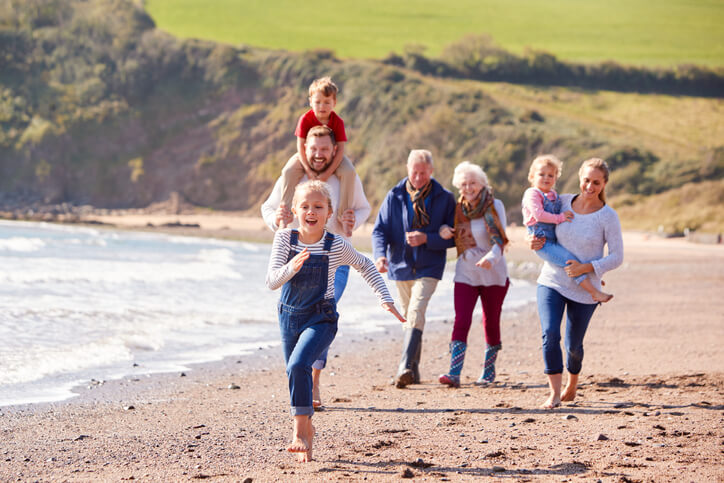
<point>533,211</point>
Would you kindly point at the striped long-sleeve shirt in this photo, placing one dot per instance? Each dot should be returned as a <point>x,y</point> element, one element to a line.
<point>342,253</point>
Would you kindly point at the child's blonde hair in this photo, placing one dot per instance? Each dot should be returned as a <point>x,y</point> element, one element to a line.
<point>599,164</point>
<point>325,86</point>
<point>545,160</point>
<point>313,186</point>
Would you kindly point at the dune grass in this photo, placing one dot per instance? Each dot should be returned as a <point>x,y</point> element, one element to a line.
<point>697,206</point>
<point>671,126</point>
<point>662,33</point>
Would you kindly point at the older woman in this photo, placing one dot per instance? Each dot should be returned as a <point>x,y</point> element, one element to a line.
<point>594,225</point>
<point>481,270</point>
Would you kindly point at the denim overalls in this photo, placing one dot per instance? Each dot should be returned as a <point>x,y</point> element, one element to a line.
<point>307,321</point>
<point>552,251</point>
<point>547,230</point>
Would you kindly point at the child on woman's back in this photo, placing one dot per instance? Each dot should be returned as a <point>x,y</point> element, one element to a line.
<point>541,213</point>
<point>303,263</point>
<point>322,99</point>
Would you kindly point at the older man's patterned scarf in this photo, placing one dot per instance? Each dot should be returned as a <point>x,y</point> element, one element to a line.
<point>481,207</point>
<point>421,218</point>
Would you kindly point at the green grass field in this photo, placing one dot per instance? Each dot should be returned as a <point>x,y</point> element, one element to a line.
<point>648,32</point>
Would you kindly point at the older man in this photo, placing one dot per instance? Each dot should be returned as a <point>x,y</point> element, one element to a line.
<point>320,147</point>
<point>407,244</point>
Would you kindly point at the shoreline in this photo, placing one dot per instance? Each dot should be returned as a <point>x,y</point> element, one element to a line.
<point>66,387</point>
<point>652,386</point>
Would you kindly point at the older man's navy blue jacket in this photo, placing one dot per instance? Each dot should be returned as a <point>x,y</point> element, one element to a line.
<point>394,220</point>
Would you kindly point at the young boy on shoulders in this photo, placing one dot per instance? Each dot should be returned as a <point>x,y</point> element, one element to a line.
<point>322,100</point>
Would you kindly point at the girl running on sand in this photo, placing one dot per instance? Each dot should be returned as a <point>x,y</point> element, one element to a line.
<point>303,263</point>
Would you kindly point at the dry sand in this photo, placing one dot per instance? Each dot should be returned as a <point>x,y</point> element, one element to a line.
<point>650,405</point>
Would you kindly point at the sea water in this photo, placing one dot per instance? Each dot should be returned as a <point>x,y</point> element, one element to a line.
<point>78,304</point>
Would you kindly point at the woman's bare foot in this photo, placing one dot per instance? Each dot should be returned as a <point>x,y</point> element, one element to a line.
<point>569,393</point>
<point>554,383</point>
<point>552,402</point>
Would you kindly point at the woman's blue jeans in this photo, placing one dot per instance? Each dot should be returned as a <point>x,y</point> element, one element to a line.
<point>551,306</point>
<point>305,334</point>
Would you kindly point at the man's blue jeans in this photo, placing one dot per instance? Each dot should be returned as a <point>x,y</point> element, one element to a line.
<point>551,306</point>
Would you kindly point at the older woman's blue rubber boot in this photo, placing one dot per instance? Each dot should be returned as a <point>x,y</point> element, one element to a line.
<point>457,357</point>
<point>488,375</point>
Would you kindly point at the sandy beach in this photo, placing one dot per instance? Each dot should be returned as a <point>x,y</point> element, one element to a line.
<point>650,406</point>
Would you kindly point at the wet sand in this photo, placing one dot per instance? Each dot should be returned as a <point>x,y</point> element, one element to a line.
<point>650,405</point>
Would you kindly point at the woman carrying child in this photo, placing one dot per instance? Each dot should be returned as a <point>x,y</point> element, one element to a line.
<point>481,270</point>
<point>303,263</point>
<point>593,226</point>
<point>542,212</point>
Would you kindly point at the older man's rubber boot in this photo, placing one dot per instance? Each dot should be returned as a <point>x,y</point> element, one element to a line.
<point>416,361</point>
<point>410,349</point>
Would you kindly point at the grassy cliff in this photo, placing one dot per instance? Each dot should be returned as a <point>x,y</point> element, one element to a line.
<point>99,106</point>
<point>662,33</point>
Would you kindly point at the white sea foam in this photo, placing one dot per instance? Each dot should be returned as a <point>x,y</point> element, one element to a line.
<point>18,244</point>
<point>79,303</point>
<point>218,256</point>
<point>61,359</point>
<point>59,270</point>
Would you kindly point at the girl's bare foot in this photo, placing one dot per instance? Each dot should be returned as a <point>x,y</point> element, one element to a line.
<point>298,445</point>
<point>596,294</point>
<point>306,456</point>
<point>552,402</point>
<point>316,396</point>
<point>602,297</point>
<point>302,438</point>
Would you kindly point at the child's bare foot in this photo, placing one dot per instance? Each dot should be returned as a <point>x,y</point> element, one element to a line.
<point>302,438</point>
<point>306,456</point>
<point>569,393</point>
<point>298,445</point>
<point>596,294</point>
<point>316,396</point>
<point>552,402</point>
<point>602,297</point>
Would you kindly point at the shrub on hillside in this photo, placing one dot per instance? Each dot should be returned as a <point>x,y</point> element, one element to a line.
<point>478,57</point>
